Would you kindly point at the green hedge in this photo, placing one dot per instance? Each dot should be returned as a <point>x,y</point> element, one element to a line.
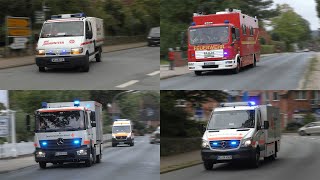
<point>170,146</point>
<point>267,49</point>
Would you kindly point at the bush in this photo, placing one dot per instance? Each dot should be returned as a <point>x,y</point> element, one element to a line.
<point>280,46</point>
<point>170,146</point>
<point>267,49</point>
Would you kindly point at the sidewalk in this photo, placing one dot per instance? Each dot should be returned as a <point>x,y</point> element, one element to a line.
<point>165,73</point>
<point>179,161</point>
<point>7,165</point>
<point>28,60</point>
<point>311,80</point>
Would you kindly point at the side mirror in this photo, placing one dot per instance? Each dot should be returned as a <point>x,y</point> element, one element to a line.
<point>93,119</point>
<point>204,128</point>
<point>237,34</point>
<point>89,35</point>
<point>28,125</point>
<point>266,125</point>
<point>93,124</point>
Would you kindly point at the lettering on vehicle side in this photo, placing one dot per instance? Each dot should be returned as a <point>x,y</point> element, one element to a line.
<point>50,43</point>
<point>59,135</point>
<point>208,47</point>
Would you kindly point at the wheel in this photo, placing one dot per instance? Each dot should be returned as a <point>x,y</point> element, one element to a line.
<point>42,165</point>
<point>55,163</point>
<point>99,157</point>
<point>302,133</point>
<point>198,73</point>
<point>254,62</point>
<point>255,162</point>
<point>208,165</point>
<point>237,69</point>
<point>98,56</point>
<point>114,145</point>
<point>42,69</point>
<point>85,68</point>
<point>88,162</point>
<point>132,144</point>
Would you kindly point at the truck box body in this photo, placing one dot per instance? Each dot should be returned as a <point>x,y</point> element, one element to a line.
<point>218,41</point>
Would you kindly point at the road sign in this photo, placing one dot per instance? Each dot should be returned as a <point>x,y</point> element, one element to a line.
<point>199,112</point>
<point>4,128</point>
<point>150,112</point>
<point>18,46</point>
<point>17,22</point>
<point>19,32</point>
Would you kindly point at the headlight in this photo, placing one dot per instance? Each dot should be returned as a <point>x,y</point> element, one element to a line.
<point>41,52</point>
<point>113,136</point>
<point>149,37</point>
<point>190,64</point>
<point>76,50</point>
<point>205,144</point>
<point>246,142</point>
<point>40,154</point>
<point>82,152</point>
<point>129,135</point>
<point>229,62</point>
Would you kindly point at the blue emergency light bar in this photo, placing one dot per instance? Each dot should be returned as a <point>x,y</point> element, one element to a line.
<point>76,103</point>
<point>233,104</point>
<point>61,16</point>
<point>44,105</point>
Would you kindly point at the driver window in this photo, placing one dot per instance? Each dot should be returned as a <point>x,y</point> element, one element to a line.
<point>233,34</point>
<point>258,118</point>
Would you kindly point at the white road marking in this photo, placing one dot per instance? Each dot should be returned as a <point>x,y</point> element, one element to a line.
<point>129,83</point>
<point>153,73</point>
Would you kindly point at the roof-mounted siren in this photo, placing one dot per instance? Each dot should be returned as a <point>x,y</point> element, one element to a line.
<point>233,104</point>
<point>44,105</point>
<point>76,103</point>
<point>233,10</point>
<point>62,16</point>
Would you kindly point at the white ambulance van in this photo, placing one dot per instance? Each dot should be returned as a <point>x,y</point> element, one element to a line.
<point>69,41</point>
<point>122,132</point>
<point>241,131</point>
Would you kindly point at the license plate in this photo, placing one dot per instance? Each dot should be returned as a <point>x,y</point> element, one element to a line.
<point>57,60</point>
<point>61,153</point>
<point>209,63</point>
<point>224,157</point>
<point>121,142</point>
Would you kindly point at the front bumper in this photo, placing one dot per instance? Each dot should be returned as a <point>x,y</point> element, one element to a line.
<point>212,65</point>
<point>122,141</point>
<point>154,140</point>
<point>51,157</point>
<point>69,61</point>
<point>154,41</point>
<point>237,154</point>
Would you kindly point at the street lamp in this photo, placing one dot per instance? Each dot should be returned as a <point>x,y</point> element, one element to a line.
<point>115,98</point>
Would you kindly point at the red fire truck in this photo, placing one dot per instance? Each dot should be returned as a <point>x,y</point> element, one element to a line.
<point>225,40</point>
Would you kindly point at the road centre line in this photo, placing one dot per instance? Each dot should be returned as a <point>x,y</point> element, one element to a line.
<point>129,83</point>
<point>153,73</point>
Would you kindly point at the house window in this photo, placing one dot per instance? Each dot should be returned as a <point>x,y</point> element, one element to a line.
<point>251,31</point>
<point>276,96</point>
<point>301,95</point>
<point>181,103</point>
<point>315,99</point>
<point>266,97</point>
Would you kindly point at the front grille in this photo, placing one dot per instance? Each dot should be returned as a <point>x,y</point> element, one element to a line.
<point>121,137</point>
<point>56,145</point>
<point>225,144</point>
<point>210,66</point>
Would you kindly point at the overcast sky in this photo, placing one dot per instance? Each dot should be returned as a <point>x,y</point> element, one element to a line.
<point>305,8</point>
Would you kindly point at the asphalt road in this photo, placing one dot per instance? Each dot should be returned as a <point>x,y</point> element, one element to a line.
<point>136,69</point>
<point>142,162</point>
<point>298,159</point>
<point>279,71</point>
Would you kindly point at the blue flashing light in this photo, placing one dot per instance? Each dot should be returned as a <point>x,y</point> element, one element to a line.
<point>44,143</point>
<point>88,106</point>
<point>76,103</point>
<point>79,15</point>
<point>215,143</point>
<point>252,103</point>
<point>226,21</point>
<point>233,143</point>
<point>44,105</point>
<point>76,141</point>
<point>193,24</point>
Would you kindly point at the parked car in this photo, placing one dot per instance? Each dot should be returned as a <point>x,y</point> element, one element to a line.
<point>311,128</point>
<point>155,136</point>
<point>154,36</point>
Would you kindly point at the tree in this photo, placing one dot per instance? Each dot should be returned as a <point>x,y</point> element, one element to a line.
<point>318,7</point>
<point>290,27</point>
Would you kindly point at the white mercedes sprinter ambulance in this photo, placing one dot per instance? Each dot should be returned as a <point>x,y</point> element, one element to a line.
<point>241,131</point>
<point>68,41</point>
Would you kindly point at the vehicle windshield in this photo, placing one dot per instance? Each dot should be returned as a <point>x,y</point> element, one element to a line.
<point>232,120</point>
<point>59,121</point>
<point>59,29</point>
<point>120,129</point>
<point>209,35</point>
<point>155,32</point>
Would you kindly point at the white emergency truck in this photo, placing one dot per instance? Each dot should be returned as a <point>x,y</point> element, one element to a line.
<point>122,132</point>
<point>68,132</point>
<point>68,41</point>
<point>241,131</point>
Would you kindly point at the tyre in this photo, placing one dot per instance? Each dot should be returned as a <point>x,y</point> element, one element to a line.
<point>98,56</point>
<point>237,69</point>
<point>255,162</point>
<point>302,133</point>
<point>114,145</point>
<point>208,165</point>
<point>88,163</point>
<point>132,144</point>
<point>42,69</point>
<point>42,165</point>
<point>99,157</point>
<point>85,67</point>
<point>254,62</point>
<point>198,73</point>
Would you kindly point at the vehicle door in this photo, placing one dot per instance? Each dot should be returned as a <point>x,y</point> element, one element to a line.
<point>89,38</point>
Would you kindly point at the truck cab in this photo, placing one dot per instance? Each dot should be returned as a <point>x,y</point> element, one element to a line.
<point>65,133</point>
<point>69,41</point>
<point>241,131</point>
<point>122,133</point>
